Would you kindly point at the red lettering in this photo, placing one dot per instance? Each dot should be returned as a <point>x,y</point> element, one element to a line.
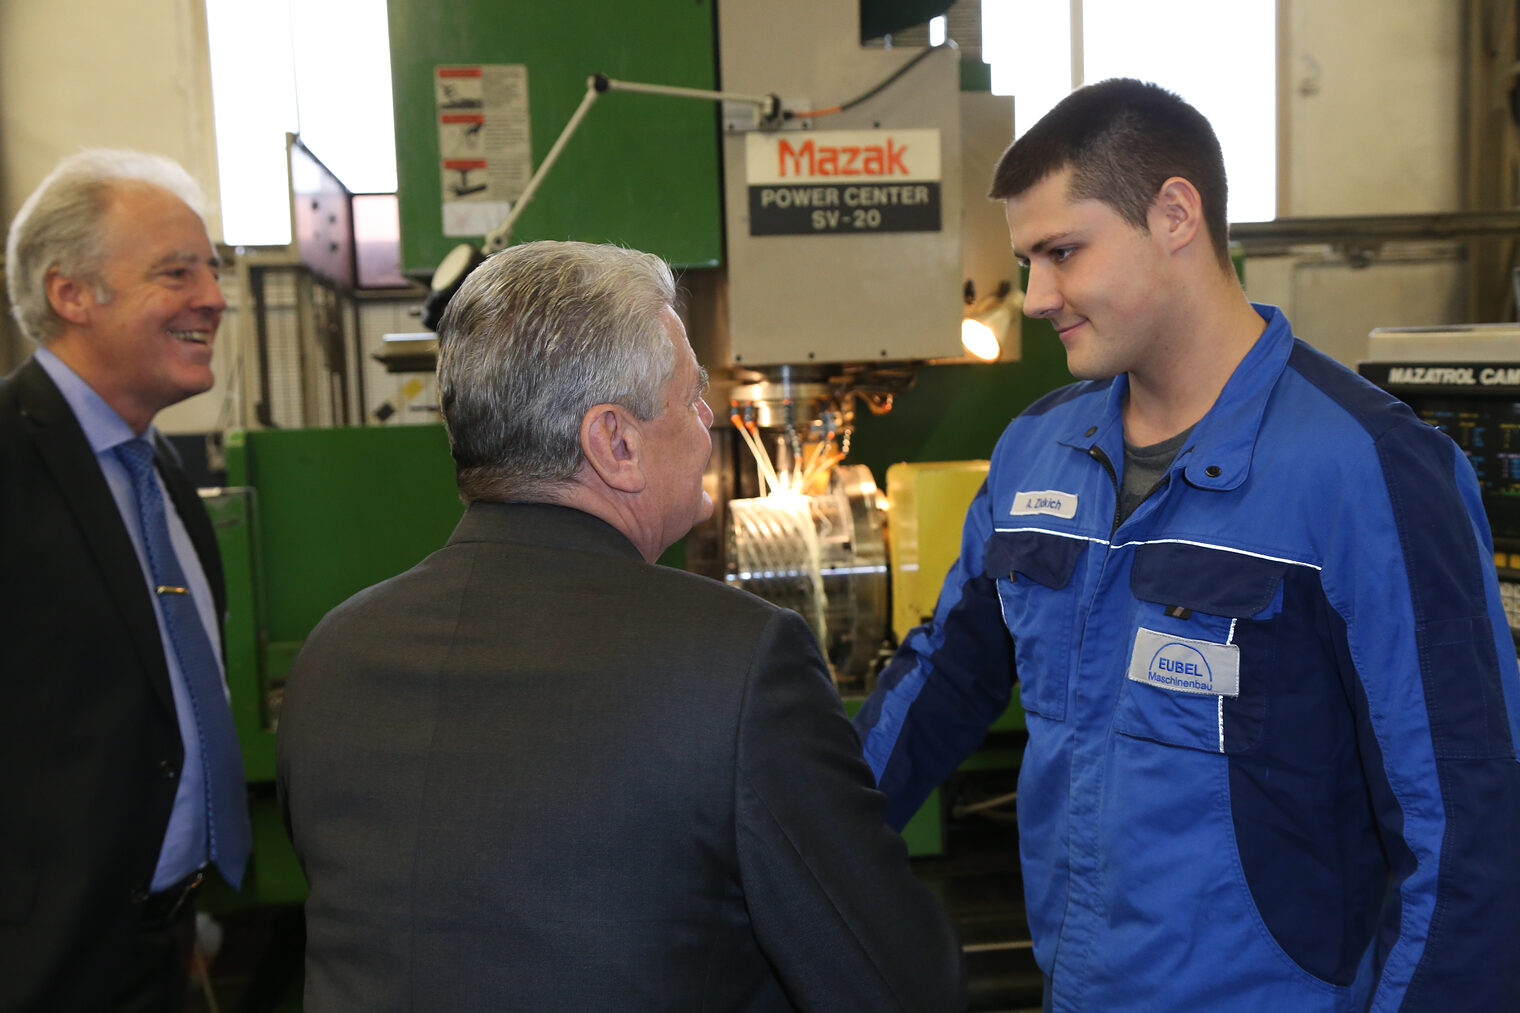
<point>785,150</point>
<point>847,160</point>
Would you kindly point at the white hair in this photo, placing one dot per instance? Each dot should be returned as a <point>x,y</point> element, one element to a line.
<point>537,335</point>
<point>59,227</point>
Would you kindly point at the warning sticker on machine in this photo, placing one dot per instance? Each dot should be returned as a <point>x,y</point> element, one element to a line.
<point>843,181</point>
<point>485,157</point>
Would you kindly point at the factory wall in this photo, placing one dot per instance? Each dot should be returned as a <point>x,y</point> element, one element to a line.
<point>1370,103</point>
<point>1369,123</point>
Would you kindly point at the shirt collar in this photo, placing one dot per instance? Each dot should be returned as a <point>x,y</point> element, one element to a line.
<point>103,427</point>
<point>1218,454</point>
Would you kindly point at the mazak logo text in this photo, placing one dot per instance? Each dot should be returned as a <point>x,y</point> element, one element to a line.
<point>814,160</point>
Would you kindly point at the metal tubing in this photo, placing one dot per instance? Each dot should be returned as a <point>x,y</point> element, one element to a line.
<point>498,237</point>
<point>763,102</point>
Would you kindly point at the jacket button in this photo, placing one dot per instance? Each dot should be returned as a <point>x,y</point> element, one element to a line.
<point>1090,430</point>
<point>1212,471</point>
<point>167,770</point>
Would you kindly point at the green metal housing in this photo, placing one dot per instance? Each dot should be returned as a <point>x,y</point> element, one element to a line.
<point>642,170</point>
<point>312,516</point>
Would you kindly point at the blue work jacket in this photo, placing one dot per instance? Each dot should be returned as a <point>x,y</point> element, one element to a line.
<point>1272,715</point>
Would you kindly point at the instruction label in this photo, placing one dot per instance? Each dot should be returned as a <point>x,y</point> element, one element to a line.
<point>484,143</point>
<point>825,182</point>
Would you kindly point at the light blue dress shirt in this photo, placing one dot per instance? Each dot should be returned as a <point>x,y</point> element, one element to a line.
<point>185,842</point>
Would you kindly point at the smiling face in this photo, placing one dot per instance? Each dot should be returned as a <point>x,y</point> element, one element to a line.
<point>680,442</point>
<point>1100,281</point>
<point>148,345</point>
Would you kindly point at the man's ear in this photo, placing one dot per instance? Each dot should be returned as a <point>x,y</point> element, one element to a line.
<point>1177,215</point>
<point>70,298</point>
<point>612,444</point>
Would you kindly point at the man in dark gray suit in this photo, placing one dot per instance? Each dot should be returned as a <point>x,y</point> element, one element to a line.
<point>538,771</point>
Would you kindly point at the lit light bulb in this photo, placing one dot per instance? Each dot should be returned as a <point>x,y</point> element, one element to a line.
<point>979,339</point>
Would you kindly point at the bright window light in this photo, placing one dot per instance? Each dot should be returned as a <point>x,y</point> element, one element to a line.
<point>1028,43</point>
<point>937,31</point>
<point>1230,76</point>
<point>1230,73</point>
<point>346,115</point>
<point>254,99</point>
<point>268,80</point>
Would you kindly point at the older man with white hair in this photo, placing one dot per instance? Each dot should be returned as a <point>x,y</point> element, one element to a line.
<point>123,781</point>
<point>538,771</point>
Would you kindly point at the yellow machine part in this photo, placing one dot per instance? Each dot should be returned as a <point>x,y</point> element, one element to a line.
<point>928,507</point>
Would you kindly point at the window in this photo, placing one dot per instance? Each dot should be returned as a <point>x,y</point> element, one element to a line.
<point>320,68</point>
<point>1221,57</point>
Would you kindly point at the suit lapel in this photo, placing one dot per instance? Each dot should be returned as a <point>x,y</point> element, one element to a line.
<point>60,442</point>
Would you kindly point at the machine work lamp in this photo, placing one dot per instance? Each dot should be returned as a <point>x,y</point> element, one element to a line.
<point>464,258</point>
<point>984,328</point>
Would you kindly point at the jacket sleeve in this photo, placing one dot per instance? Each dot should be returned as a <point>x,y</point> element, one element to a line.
<point>1436,689</point>
<point>834,905</point>
<point>951,678</point>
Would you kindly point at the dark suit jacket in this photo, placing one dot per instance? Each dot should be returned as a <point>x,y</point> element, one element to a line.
<point>89,747</point>
<point>537,773</point>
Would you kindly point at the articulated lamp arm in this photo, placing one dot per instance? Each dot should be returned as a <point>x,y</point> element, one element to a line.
<point>462,259</point>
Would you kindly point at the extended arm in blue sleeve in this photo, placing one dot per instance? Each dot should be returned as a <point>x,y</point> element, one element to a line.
<point>950,679</point>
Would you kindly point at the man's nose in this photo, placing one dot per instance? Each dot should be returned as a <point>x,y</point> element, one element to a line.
<point>1041,296</point>
<point>208,295</point>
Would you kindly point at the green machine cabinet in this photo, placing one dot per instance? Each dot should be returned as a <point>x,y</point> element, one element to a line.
<point>641,170</point>
<point>311,517</point>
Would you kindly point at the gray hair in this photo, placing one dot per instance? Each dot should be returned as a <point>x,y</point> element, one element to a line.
<point>538,334</point>
<point>59,227</point>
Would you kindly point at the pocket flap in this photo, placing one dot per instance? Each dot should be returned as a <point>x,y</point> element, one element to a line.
<point>1045,558</point>
<point>1214,581</point>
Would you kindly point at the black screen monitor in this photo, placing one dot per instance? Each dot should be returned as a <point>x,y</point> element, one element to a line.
<point>1487,428</point>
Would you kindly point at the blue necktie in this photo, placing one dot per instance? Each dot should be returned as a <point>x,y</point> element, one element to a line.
<point>226,795</point>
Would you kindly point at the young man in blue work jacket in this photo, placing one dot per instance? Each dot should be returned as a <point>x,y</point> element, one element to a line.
<point>1250,604</point>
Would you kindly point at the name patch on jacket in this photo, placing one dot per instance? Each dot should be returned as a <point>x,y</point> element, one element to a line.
<point>1185,666</point>
<point>1050,502</point>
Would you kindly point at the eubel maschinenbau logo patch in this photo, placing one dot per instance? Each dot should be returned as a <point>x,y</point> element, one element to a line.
<point>1185,666</point>
<point>1050,502</point>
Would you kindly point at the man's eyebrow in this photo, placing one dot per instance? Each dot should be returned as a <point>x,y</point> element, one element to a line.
<point>701,387</point>
<point>1042,244</point>
<point>187,257</point>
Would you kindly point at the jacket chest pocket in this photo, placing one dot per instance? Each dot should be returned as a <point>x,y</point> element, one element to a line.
<point>1202,648</point>
<point>1040,602</point>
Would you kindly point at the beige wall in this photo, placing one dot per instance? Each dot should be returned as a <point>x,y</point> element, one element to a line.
<point>1370,99</point>
<point>117,73</point>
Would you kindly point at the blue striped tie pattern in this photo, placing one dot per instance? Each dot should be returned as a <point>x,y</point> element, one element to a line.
<point>226,795</point>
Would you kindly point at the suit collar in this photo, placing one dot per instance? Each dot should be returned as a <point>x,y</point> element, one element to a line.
<point>103,426</point>
<point>541,524</point>
<point>61,444</point>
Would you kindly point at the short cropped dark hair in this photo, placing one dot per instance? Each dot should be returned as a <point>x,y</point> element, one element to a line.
<point>1123,139</point>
